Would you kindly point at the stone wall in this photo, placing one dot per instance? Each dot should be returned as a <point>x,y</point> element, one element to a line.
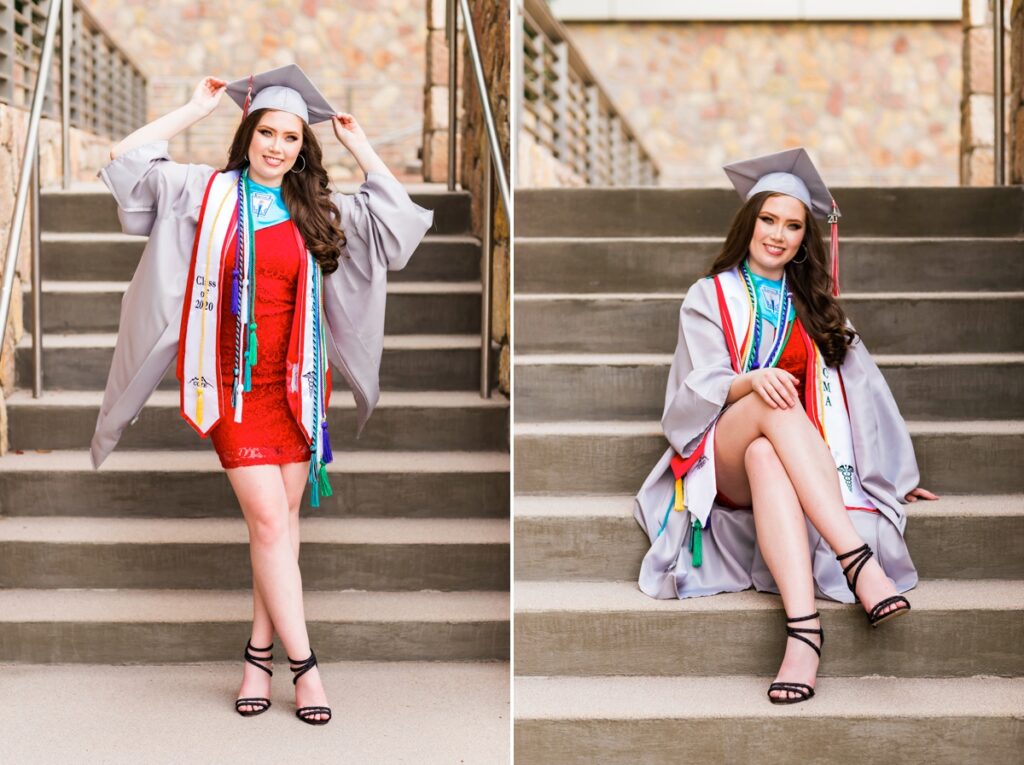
<point>877,103</point>
<point>977,106</point>
<point>1016,108</point>
<point>436,97</point>
<point>87,153</point>
<point>492,28</point>
<point>365,56</point>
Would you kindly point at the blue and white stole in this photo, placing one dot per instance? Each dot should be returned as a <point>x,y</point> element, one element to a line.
<point>225,213</point>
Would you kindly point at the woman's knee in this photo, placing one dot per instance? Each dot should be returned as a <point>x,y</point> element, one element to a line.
<point>267,524</point>
<point>760,454</point>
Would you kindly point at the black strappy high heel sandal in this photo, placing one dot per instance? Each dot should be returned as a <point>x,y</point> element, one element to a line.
<point>875,616</point>
<point>306,714</point>
<point>803,690</point>
<point>261,704</point>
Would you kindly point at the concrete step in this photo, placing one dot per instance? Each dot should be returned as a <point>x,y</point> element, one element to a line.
<point>416,421</point>
<point>166,484</point>
<point>414,308</point>
<point>916,212</point>
<point>587,538</point>
<point>945,386</point>
<point>92,209</point>
<point>615,457</point>
<point>192,553</point>
<point>975,322</point>
<point>625,720</point>
<point>369,700</point>
<point>410,362</point>
<point>956,629</point>
<point>113,256</point>
<point>173,626</point>
<point>652,264</point>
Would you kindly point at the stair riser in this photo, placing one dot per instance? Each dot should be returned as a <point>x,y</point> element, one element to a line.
<point>616,464</point>
<point>622,392</point>
<point>587,265</point>
<point>934,212</point>
<point>401,369</point>
<point>84,260</point>
<point>109,493</point>
<point>170,643</point>
<point>774,740</point>
<point>431,314</point>
<point>226,566</point>
<point>406,429</point>
<point>921,644</point>
<point>611,549</point>
<point>970,325</point>
<point>97,212</point>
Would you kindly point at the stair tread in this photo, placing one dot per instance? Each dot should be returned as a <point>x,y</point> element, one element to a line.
<point>168,461</point>
<point>188,606</point>
<point>341,399</point>
<point>668,697</point>
<point>653,427</point>
<point>52,340</point>
<point>930,595</point>
<point>621,506</point>
<point>352,531</point>
<point>664,359</point>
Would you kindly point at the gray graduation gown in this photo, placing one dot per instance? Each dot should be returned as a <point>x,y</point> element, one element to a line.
<point>160,199</point>
<point>698,385</point>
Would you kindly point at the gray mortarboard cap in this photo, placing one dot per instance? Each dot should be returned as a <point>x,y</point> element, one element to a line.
<point>286,89</point>
<point>788,172</point>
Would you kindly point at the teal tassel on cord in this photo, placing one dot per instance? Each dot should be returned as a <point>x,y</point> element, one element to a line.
<point>248,377</point>
<point>314,492</point>
<point>696,544</point>
<point>324,482</point>
<point>252,344</point>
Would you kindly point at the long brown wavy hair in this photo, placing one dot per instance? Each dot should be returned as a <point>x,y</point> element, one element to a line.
<point>820,313</point>
<point>306,193</point>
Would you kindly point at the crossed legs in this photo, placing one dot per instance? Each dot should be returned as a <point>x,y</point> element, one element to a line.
<point>270,496</point>
<point>775,460</point>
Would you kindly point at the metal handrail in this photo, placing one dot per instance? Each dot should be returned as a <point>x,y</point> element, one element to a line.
<point>492,163</point>
<point>566,110</point>
<point>29,163</point>
<point>999,147</point>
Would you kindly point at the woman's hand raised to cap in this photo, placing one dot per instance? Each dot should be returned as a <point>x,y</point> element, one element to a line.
<point>348,130</point>
<point>208,93</point>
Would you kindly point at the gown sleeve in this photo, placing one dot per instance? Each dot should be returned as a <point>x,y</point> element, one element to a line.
<point>381,223</point>
<point>148,185</point>
<point>701,372</point>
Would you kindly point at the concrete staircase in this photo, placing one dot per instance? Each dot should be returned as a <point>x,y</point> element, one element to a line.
<point>934,280</point>
<point>146,561</point>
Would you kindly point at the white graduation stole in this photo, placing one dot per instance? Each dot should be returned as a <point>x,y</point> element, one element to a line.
<point>826,401</point>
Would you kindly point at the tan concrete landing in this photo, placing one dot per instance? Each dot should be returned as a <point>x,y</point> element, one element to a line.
<point>383,713</point>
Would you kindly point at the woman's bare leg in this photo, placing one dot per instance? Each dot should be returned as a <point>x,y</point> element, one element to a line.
<point>810,468</point>
<point>782,538</point>
<point>264,499</point>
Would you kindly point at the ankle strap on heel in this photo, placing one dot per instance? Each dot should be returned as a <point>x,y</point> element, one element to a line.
<point>862,555</point>
<point>254,660</point>
<point>303,666</point>
<point>795,632</point>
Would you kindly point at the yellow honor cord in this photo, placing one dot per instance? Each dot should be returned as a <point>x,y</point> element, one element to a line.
<point>680,503</point>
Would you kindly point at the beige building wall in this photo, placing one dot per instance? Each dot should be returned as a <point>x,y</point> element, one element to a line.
<point>366,56</point>
<point>876,102</point>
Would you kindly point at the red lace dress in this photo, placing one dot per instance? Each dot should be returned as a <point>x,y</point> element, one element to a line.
<point>268,433</point>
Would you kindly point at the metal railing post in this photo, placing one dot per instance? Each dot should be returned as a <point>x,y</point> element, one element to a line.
<point>452,27</point>
<point>37,286</point>
<point>31,145</point>
<point>486,279</point>
<point>999,146</point>
<point>66,36</point>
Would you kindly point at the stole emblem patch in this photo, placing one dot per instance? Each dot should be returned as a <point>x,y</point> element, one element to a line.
<point>846,471</point>
<point>197,382</point>
<point>699,463</point>
<point>261,203</point>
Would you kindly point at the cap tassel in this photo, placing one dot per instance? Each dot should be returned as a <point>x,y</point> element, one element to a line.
<point>833,219</point>
<point>248,98</point>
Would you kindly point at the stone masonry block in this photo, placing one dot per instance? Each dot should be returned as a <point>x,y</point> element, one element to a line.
<point>437,58</point>
<point>981,121</point>
<point>980,167</point>
<point>435,156</point>
<point>436,117</point>
<point>436,12</point>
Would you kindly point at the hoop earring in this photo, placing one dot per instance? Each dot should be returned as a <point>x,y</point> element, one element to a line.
<point>293,170</point>
<point>803,248</point>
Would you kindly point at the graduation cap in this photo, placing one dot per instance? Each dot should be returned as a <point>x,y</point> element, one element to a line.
<point>286,89</point>
<point>790,172</point>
